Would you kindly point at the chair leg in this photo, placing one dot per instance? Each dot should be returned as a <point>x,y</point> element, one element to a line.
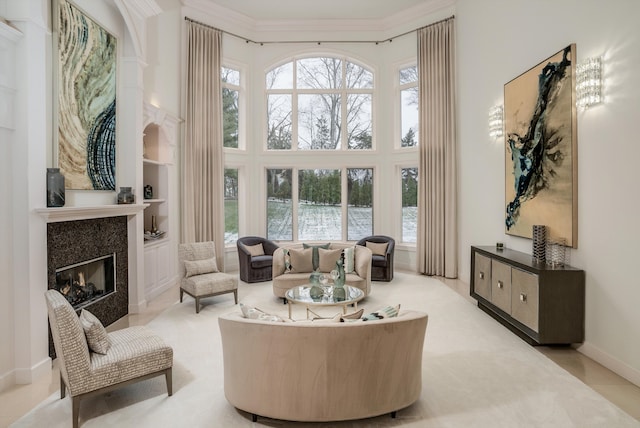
<point>254,417</point>
<point>75,403</point>
<point>181,294</point>
<point>63,388</point>
<point>235,296</point>
<point>393,414</point>
<point>197,305</point>
<point>169,378</point>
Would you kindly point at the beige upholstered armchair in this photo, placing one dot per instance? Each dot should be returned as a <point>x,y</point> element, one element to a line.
<point>199,273</point>
<point>123,357</point>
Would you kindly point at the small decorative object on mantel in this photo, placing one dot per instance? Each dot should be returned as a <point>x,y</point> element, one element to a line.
<point>148,192</point>
<point>539,236</point>
<point>499,246</point>
<point>55,188</point>
<point>126,196</point>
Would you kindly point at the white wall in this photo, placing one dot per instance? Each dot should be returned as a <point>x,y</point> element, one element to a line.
<point>497,41</point>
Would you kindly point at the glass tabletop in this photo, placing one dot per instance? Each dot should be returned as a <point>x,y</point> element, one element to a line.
<point>326,295</point>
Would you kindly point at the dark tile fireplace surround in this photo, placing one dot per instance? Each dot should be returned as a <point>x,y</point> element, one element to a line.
<point>71,242</point>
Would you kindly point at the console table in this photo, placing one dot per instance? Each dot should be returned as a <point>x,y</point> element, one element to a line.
<point>540,303</point>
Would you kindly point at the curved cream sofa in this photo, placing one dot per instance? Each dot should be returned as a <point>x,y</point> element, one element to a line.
<point>361,278</point>
<point>327,371</point>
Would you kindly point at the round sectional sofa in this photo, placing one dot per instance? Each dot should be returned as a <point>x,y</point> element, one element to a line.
<point>319,372</point>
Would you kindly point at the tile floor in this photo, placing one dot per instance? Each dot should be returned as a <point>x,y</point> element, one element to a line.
<point>19,399</point>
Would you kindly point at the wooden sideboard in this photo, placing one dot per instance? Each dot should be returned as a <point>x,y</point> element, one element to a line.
<point>544,305</point>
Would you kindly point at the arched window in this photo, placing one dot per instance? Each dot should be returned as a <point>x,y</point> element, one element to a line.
<point>319,103</point>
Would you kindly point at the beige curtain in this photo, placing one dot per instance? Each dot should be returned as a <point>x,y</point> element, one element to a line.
<point>202,162</point>
<point>437,188</point>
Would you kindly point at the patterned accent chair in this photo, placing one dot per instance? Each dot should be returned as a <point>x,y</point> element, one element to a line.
<point>382,261</point>
<point>135,354</point>
<point>199,273</point>
<point>255,267</point>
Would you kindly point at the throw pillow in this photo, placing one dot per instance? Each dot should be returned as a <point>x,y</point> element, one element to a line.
<point>287,260</point>
<point>335,318</point>
<point>255,250</point>
<point>256,314</point>
<point>97,337</point>
<point>378,249</point>
<point>386,312</point>
<point>315,258</point>
<point>301,261</point>
<point>328,259</point>
<point>199,267</point>
<point>349,259</point>
<point>354,316</point>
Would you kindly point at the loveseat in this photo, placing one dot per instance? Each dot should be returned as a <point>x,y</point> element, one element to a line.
<point>328,371</point>
<point>284,278</point>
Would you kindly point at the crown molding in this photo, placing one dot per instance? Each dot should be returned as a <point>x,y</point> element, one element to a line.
<point>245,26</point>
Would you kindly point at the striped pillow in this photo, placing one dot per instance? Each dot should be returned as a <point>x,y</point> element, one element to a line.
<point>386,312</point>
<point>349,259</point>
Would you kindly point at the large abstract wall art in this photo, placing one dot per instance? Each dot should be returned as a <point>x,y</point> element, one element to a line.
<point>86,93</point>
<point>540,149</point>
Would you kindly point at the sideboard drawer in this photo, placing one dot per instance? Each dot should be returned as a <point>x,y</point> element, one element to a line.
<point>524,298</point>
<point>482,276</point>
<point>501,285</point>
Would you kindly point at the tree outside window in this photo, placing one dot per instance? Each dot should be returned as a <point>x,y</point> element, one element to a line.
<point>409,117</point>
<point>230,106</point>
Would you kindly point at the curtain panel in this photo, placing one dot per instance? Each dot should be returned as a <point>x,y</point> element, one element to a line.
<point>202,156</point>
<point>437,185</point>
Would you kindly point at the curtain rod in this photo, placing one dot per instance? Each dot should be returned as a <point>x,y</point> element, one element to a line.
<point>377,42</point>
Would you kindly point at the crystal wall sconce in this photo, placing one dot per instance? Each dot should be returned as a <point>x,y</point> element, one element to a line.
<point>496,122</point>
<point>589,83</point>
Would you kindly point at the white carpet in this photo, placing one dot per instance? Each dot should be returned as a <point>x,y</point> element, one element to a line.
<point>475,372</point>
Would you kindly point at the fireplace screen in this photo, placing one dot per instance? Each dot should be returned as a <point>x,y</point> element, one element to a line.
<point>88,281</point>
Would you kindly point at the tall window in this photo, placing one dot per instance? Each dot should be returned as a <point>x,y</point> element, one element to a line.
<point>320,103</point>
<point>279,204</point>
<point>409,204</point>
<point>230,205</point>
<point>360,207</point>
<point>319,204</point>
<point>231,106</point>
<point>408,79</point>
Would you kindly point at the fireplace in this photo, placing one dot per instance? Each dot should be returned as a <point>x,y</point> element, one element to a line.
<point>72,244</point>
<point>88,281</point>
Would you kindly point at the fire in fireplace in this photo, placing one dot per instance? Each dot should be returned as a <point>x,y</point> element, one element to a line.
<point>86,282</point>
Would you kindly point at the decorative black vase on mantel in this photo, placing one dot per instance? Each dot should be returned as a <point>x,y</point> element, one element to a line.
<point>55,188</point>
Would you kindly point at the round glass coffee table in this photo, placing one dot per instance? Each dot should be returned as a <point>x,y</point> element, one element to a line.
<point>301,294</point>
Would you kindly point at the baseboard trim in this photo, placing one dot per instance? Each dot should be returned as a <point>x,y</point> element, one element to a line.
<point>615,365</point>
<point>140,307</point>
<point>27,376</point>
<point>152,294</point>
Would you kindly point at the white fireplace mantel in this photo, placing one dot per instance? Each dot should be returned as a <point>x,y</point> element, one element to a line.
<point>53,215</point>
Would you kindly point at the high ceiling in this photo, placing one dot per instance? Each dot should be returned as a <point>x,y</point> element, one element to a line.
<point>301,10</point>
